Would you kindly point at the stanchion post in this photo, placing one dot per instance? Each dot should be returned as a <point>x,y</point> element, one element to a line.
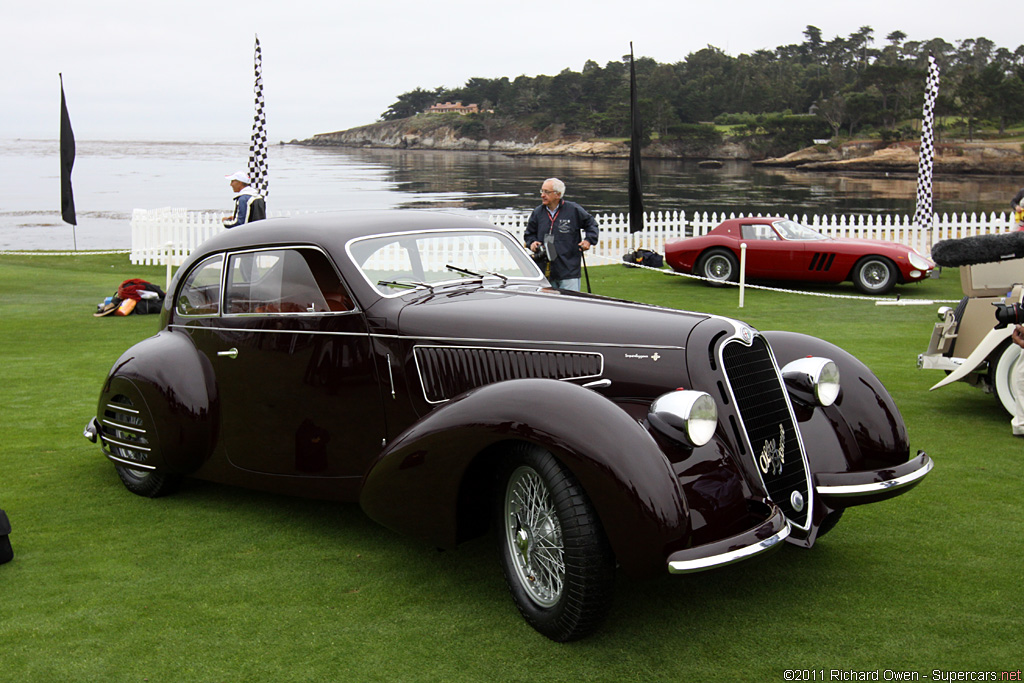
<point>167,260</point>
<point>743,270</point>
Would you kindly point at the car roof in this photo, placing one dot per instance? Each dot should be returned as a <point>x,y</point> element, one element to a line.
<point>334,229</point>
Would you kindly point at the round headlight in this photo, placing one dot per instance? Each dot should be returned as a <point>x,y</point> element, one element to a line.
<point>813,380</point>
<point>685,415</point>
<point>919,261</point>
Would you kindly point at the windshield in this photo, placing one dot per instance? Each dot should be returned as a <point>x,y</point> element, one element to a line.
<point>794,231</point>
<point>397,262</point>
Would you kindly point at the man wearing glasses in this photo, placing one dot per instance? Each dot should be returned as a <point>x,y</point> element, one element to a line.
<point>554,233</point>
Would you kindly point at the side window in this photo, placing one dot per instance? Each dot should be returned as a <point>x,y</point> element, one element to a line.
<point>758,232</point>
<point>283,281</point>
<point>200,293</point>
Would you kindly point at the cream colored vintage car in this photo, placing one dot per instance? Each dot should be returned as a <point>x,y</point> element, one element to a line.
<point>965,342</point>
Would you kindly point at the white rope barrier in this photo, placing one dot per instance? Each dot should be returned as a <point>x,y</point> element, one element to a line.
<point>64,253</point>
<point>858,297</point>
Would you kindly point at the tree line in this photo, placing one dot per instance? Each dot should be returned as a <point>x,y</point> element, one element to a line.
<point>845,86</point>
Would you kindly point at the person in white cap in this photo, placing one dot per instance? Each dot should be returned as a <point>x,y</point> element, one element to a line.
<point>249,205</point>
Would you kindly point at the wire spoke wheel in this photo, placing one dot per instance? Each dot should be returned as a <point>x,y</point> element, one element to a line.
<point>558,564</point>
<point>534,536</point>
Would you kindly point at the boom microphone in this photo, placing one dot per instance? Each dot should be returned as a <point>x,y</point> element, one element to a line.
<point>968,251</point>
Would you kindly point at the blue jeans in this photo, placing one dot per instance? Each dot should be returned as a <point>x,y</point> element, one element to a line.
<point>572,284</point>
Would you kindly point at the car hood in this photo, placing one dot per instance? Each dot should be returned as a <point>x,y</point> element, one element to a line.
<point>538,315</point>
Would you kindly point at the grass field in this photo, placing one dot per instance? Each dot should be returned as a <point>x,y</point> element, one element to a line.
<point>221,584</point>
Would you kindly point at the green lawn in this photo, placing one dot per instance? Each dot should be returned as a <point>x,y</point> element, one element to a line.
<point>221,584</point>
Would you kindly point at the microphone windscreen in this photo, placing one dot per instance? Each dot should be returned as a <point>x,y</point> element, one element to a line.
<point>968,251</point>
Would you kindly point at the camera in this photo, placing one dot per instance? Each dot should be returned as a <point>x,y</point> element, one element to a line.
<point>546,251</point>
<point>1008,314</point>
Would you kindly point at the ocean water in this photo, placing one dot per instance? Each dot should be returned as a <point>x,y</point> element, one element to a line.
<point>112,178</point>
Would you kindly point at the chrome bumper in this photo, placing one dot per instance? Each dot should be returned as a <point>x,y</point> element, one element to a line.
<point>843,489</point>
<point>767,535</point>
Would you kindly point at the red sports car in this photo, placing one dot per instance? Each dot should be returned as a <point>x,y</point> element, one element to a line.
<point>781,249</point>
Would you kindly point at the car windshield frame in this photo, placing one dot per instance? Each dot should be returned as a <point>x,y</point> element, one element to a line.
<point>797,232</point>
<point>418,274</point>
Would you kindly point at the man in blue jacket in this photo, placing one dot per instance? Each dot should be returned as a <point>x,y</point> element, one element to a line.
<point>249,205</point>
<point>554,229</point>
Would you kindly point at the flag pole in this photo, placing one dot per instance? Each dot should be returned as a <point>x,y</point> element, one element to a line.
<point>636,195</point>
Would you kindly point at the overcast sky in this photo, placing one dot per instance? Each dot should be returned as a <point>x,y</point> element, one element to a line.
<point>183,70</point>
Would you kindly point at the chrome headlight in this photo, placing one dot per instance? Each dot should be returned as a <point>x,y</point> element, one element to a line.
<point>685,415</point>
<point>813,380</point>
<point>919,262</point>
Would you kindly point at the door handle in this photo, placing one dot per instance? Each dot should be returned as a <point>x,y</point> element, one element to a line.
<point>233,353</point>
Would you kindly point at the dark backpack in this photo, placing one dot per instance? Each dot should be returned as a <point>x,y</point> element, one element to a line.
<point>6,554</point>
<point>644,257</point>
<point>257,210</point>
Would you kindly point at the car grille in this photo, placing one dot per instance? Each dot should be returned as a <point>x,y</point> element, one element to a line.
<point>770,432</point>
<point>122,430</point>
<point>447,371</point>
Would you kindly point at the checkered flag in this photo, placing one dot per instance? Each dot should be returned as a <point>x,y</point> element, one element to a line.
<point>923,217</point>
<point>258,146</point>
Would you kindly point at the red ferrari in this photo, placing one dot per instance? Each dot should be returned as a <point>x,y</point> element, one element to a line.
<point>781,249</point>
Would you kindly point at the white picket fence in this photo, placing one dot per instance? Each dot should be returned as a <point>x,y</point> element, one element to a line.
<point>167,236</point>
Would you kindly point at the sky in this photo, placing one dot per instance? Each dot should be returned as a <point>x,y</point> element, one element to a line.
<point>183,70</point>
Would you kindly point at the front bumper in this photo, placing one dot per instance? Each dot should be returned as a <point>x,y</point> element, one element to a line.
<point>844,489</point>
<point>767,535</point>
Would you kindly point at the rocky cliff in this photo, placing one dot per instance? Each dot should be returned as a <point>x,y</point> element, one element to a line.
<point>452,132</point>
<point>996,158</point>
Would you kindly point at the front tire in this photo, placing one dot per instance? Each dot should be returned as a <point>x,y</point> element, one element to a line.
<point>1002,377</point>
<point>147,483</point>
<point>558,564</point>
<point>718,266</point>
<point>874,275</point>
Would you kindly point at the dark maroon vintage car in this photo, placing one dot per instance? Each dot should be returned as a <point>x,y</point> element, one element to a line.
<point>419,364</point>
<point>781,249</point>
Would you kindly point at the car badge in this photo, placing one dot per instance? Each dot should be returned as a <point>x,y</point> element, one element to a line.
<point>773,455</point>
<point>656,356</point>
<point>746,334</point>
<point>797,501</point>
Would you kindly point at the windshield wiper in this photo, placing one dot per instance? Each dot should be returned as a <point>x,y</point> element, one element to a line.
<point>405,285</point>
<point>503,278</point>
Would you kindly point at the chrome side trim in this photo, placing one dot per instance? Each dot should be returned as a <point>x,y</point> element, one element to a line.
<point>125,444</point>
<point>118,425</point>
<point>723,559</point>
<point>128,463</point>
<point>877,486</point>
<point>464,340</point>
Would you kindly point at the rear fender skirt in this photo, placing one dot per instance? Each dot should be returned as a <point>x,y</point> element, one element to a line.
<point>175,383</point>
<point>414,485</point>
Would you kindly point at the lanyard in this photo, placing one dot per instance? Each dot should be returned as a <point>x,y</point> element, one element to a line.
<point>554,217</point>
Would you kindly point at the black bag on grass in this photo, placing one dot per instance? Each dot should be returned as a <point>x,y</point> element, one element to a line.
<point>6,553</point>
<point>644,257</point>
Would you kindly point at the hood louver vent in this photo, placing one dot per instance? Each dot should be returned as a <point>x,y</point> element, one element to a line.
<point>447,371</point>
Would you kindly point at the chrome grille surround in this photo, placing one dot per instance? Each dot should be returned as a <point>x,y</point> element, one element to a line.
<point>767,424</point>
<point>447,371</point>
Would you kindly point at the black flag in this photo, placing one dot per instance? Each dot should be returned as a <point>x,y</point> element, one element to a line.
<point>636,194</point>
<point>67,161</point>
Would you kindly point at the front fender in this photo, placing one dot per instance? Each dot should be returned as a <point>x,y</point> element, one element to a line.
<point>414,485</point>
<point>173,386</point>
<point>992,341</point>
<point>863,429</point>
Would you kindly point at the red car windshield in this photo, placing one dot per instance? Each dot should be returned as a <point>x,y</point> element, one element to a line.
<point>791,230</point>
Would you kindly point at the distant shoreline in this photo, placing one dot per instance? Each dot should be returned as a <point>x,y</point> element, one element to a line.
<point>858,156</point>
